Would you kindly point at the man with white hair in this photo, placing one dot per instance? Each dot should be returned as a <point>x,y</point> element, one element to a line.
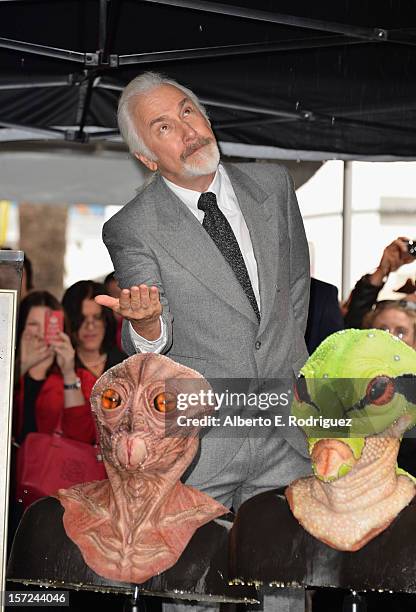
<point>213,261</point>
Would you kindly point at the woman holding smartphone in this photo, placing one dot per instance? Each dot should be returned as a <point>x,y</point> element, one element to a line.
<point>56,374</point>
<point>46,365</point>
<point>58,370</point>
<point>93,328</point>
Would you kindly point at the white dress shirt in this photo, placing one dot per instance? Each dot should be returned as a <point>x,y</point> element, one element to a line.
<point>228,204</point>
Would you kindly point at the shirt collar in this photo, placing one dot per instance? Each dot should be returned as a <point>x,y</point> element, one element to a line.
<point>191,197</point>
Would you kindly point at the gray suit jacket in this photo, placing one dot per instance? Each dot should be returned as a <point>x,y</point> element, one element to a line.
<point>212,327</point>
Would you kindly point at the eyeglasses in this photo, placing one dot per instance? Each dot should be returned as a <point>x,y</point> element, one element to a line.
<point>94,320</point>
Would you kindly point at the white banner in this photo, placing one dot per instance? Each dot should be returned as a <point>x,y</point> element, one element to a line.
<point>8,309</point>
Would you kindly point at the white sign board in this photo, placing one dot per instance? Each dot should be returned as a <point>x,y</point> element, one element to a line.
<point>8,308</point>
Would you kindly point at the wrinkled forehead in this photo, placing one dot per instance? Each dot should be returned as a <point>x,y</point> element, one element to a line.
<point>146,369</point>
<point>160,100</point>
<point>392,317</point>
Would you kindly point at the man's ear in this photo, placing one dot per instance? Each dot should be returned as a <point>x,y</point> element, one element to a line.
<point>149,163</point>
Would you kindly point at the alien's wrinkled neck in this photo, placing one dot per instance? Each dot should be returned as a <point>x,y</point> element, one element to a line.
<point>140,494</point>
<point>136,495</point>
<point>372,479</point>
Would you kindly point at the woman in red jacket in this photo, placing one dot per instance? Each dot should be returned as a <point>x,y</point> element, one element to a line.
<point>93,328</point>
<point>57,373</point>
<point>50,385</point>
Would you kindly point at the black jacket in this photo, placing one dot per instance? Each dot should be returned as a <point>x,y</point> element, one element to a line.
<point>363,297</point>
<point>324,317</point>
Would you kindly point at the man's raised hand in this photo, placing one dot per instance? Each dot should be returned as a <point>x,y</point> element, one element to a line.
<point>140,305</point>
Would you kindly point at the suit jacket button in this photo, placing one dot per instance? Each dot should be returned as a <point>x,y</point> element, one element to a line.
<point>258,345</point>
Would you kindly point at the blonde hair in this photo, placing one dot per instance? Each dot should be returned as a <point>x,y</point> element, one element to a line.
<point>382,306</point>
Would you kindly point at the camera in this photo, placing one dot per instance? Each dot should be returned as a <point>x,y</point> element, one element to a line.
<point>411,247</point>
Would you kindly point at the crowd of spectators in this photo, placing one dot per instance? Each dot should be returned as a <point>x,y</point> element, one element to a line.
<point>362,309</point>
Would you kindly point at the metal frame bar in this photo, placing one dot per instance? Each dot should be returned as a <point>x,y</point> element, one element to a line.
<point>102,24</point>
<point>402,40</point>
<point>64,54</point>
<point>31,128</point>
<point>103,134</point>
<point>277,18</point>
<point>110,86</point>
<point>107,21</point>
<point>33,85</point>
<point>403,36</point>
<point>84,99</point>
<point>370,124</point>
<point>112,23</point>
<point>226,50</point>
<point>373,109</point>
<point>331,116</point>
<point>257,109</point>
<point>310,116</point>
<point>248,122</point>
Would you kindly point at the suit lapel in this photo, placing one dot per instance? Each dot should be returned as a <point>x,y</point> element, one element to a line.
<point>253,203</point>
<point>181,234</point>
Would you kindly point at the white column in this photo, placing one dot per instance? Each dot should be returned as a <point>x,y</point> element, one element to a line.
<point>11,263</point>
<point>346,229</point>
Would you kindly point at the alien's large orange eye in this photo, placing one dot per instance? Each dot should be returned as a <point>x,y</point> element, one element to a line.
<point>110,399</point>
<point>165,402</point>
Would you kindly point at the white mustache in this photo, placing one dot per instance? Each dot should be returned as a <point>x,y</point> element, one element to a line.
<point>201,142</point>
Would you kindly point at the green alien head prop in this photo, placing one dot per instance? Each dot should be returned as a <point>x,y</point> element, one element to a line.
<point>354,399</point>
<point>358,383</point>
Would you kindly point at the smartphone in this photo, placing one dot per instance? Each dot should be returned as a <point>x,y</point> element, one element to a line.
<point>54,324</point>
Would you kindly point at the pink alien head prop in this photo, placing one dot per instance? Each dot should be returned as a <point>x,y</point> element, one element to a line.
<point>137,523</point>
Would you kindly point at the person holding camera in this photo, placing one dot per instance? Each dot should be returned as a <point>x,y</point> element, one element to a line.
<point>364,295</point>
<point>58,370</point>
<point>48,376</point>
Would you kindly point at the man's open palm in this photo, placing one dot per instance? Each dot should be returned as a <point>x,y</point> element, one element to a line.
<point>138,304</point>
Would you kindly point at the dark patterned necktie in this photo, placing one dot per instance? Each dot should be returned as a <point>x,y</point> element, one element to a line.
<point>217,226</point>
